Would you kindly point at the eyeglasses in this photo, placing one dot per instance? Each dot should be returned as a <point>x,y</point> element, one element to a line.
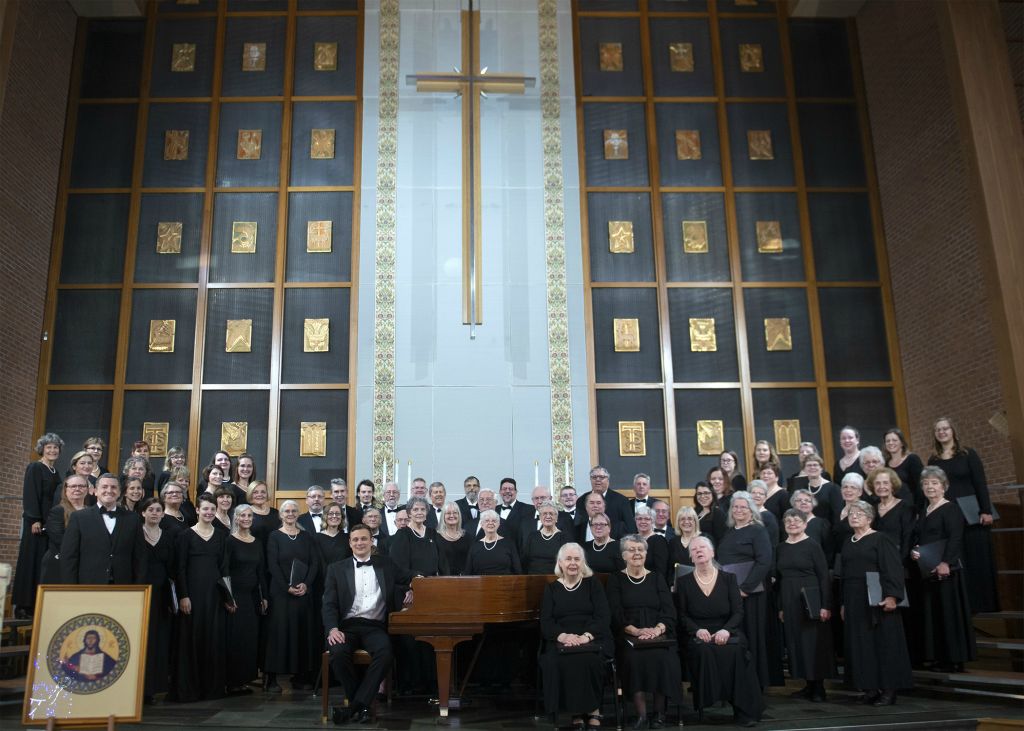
<point>599,525</point>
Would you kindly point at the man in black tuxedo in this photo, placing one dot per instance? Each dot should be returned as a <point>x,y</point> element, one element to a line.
<point>641,494</point>
<point>372,519</point>
<point>538,497</point>
<point>567,516</point>
<point>617,506</point>
<point>438,494</point>
<point>662,519</point>
<point>391,508</point>
<point>594,504</point>
<point>509,508</point>
<point>365,495</point>
<point>313,520</point>
<point>358,594</point>
<point>339,494</point>
<point>487,501</point>
<point>104,544</point>
<point>468,504</point>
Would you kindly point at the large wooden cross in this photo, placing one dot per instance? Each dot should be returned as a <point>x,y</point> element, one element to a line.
<point>471,83</point>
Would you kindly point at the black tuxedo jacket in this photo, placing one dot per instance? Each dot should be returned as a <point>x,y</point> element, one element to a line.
<point>467,511</point>
<point>340,588</point>
<point>91,555</point>
<point>384,529</point>
<point>618,508</point>
<point>432,521</point>
<point>520,511</point>
<point>567,523</point>
<point>306,521</point>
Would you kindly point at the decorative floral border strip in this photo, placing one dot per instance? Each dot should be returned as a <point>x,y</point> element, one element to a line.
<point>384,257</point>
<point>554,239</point>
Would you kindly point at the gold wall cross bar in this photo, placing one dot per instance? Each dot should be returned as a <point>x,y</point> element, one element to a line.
<point>471,82</point>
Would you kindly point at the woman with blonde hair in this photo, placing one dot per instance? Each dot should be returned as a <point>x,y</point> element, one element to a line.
<point>244,562</point>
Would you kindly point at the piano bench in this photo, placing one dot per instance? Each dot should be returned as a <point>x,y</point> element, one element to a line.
<point>360,657</point>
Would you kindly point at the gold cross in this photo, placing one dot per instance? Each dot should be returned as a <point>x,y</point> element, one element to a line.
<point>471,85</point>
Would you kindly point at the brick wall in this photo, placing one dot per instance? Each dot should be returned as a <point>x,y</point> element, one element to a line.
<point>31,138</point>
<point>947,344</point>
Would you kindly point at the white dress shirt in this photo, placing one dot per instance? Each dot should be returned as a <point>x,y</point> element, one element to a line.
<point>369,599</point>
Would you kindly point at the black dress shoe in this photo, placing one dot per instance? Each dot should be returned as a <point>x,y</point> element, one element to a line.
<point>657,720</point>
<point>362,715</point>
<point>640,723</point>
<point>804,693</point>
<point>868,698</point>
<point>340,715</point>
<point>742,720</point>
<point>887,698</point>
<point>817,696</point>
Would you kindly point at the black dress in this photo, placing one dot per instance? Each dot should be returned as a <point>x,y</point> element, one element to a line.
<point>657,557</point>
<point>50,567</point>
<point>604,560</point>
<point>175,526</point>
<point>159,574</point>
<point>539,553</point>
<point>909,472</point>
<point>501,558</point>
<point>678,554</point>
<point>718,672</point>
<point>38,490</point>
<point>264,525</point>
<point>712,524</point>
<point>947,629</point>
<point>294,639</point>
<point>247,569</point>
<point>898,523</point>
<point>574,682</point>
<point>332,548</point>
<point>875,647</point>
<point>419,556</point>
<point>819,530</point>
<point>777,504</point>
<point>751,544</point>
<point>644,604</point>
<point>839,473</point>
<point>455,552</point>
<point>200,647</point>
<point>967,478</point>
<point>802,569</point>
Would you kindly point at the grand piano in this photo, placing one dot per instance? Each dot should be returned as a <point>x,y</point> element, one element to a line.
<point>448,610</point>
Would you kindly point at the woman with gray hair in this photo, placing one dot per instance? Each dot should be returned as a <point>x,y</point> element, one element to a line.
<point>657,546</point>
<point>415,548</point>
<point>817,528</point>
<point>643,619</point>
<point>493,554</point>
<point>852,490</point>
<point>37,497</point>
<point>746,550</point>
<point>875,656</point>
<point>540,546</point>
<point>244,561</point>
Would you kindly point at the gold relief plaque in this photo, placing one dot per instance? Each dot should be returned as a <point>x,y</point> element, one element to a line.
<point>611,56</point>
<point>316,335</point>
<point>702,335</point>
<point>161,336</point>
<point>321,144</point>
<point>626,334</point>
<point>234,437</point>
<point>168,237</point>
<point>695,237</point>
<point>787,436</point>
<point>680,57</point>
<point>238,336</point>
<point>710,437</point>
<point>313,439</point>
<point>325,56</point>
<point>751,58</point>
<point>777,335</point>
<point>769,237</point>
<point>759,144</point>
<point>176,144</point>
<point>318,237</point>
<point>620,237</point>
<point>183,57</point>
<point>632,439</point>
<point>616,144</point>
<point>688,144</point>
<point>243,237</point>
<point>254,57</point>
<point>154,433</point>
<point>250,144</point>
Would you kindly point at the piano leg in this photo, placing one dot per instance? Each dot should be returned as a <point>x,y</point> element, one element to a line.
<point>443,646</point>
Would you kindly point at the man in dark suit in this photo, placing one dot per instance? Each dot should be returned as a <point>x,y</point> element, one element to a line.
<point>391,508</point>
<point>617,506</point>
<point>365,496</point>
<point>567,516</point>
<point>372,519</point>
<point>104,544</point>
<point>468,504</point>
<point>641,494</point>
<point>313,519</point>
<point>339,494</point>
<point>594,504</point>
<point>487,501</point>
<point>358,594</point>
<point>509,508</point>
<point>538,497</point>
<point>662,519</point>
<point>435,515</point>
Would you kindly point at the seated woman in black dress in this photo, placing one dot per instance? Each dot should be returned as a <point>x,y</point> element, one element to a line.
<point>805,589</point>
<point>642,612</point>
<point>945,608</point>
<point>709,513</point>
<point>711,613</point>
<point>575,625</point>
<point>540,547</point>
<point>876,657</point>
<point>602,553</point>
<point>492,554</point>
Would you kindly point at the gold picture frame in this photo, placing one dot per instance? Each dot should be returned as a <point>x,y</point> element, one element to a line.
<point>759,144</point>
<point>250,144</point>
<point>183,57</point>
<point>155,434</point>
<point>632,439</point>
<point>710,437</point>
<point>176,144</point>
<point>321,144</point>
<point>313,439</point>
<point>703,338</point>
<point>787,436</point>
<point>688,144</point>
<point>751,58</point>
<point>616,144</point>
<point>243,237</point>
<point>769,237</point>
<point>66,619</point>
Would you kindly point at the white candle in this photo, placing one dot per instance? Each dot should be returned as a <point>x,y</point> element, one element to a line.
<point>566,472</point>
<point>395,473</point>
<point>536,473</point>
<point>551,477</point>
<point>408,480</point>
<point>384,471</point>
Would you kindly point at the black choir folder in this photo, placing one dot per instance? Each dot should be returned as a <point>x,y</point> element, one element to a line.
<point>741,571</point>
<point>972,510</point>
<point>874,582</point>
<point>298,573</point>
<point>931,556</point>
<point>811,597</point>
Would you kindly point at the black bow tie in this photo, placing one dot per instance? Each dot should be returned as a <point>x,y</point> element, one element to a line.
<point>641,501</point>
<point>503,507</point>
<point>360,564</point>
<point>111,512</point>
<point>392,510</point>
<point>660,530</point>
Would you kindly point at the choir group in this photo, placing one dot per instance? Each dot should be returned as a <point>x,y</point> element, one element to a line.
<point>880,563</point>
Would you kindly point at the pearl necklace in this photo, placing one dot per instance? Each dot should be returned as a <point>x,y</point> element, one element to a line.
<point>603,546</point>
<point>855,538</point>
<point>637,583</point>
<point>578,584</point>
<point>290,536</point>
<point>490,547</point>
<point>714,575</point>
<point>547,538</point>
